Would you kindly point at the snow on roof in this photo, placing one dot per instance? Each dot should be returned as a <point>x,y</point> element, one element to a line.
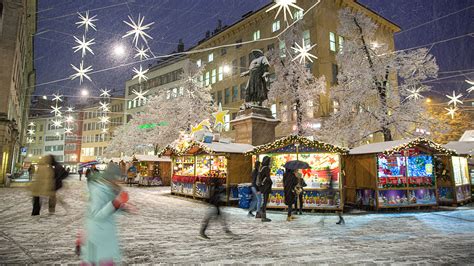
<point>379,146</point>
<point>152,158</point>
<point>467,136</point>
<point>461,147</point>
<point>219,147</point>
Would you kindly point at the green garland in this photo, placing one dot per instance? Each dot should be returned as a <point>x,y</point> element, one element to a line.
<point>293,139</point>
<point>419,141</point>
<point>181,152</point>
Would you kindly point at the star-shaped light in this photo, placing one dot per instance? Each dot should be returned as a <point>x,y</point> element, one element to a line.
<point>86,21</point>
<point>415,94</point>
<point>105,93</point>
<point>451,111</point>
<point>81,72</point>
<point>104,130</point>
<point>31,124</point>
<point>31,132</point>
<point>57,123</point>
<point>141,52</point>
<point>70,109</point>
<point>56,110</point>
<point>68,130</point>
<point>303,52</point>
<point>57,97</point>
<point>454,99</point>
<point>138,29</point>
<point>104,106</point>
<point>29,140</point>
<point>83,45</point>
<point>140,74</point>
<point>104,119</point>
<point>285,6</point>
<point>220,117</point>
<point>140,95</point>
<point>69,119</point>
<point>200,126</point>
<point>471,89</point>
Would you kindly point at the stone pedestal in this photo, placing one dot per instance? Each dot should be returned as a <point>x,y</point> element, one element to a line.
<point>255,126</point>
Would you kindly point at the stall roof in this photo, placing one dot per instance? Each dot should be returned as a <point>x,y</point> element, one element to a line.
<point>211,148</point>
<point>461,147</point>
<point>293,139</point>
<point>398,145</point>
<point>152,158</point>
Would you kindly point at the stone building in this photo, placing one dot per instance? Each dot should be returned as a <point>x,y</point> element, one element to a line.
<point>17,78</point>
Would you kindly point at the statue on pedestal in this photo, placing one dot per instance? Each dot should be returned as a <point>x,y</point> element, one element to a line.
<point>257,86</point>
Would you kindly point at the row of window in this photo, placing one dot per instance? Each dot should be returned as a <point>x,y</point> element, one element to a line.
<point>94,151</point>
<point>54,138</point>
<point>54,148</point>
<point>70,147</point>
<point>95,138</point>
<point>229,94</point>
<point>70,158</point>
<point>157,81</point>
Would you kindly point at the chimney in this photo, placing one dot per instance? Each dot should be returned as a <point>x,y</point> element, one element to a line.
<point>180,46</point>
<point>208,34</point>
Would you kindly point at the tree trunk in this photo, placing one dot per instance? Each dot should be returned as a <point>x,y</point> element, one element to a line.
<point>299,118</point>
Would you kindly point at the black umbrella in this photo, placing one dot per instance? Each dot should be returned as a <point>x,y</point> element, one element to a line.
<point>293,165</point>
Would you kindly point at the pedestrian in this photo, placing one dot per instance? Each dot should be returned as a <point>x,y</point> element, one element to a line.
<point>216,191</point>
<point>31,171</point>
<point>91,172</point>
<point>59,175</point>
<point>43,183</point>
<point>132,174</point>
<point>289,185</point>
<point>332,195</point>
<point>301,184</point>
<point>80,173</point>
<point>265,186</point>
<point>256,195</point>
<point>100,244</point>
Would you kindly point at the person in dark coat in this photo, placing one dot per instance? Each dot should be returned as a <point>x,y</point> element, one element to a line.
<point>90,172</point>
<point>59,175</point>
<point>256,195</point>
<point>216,191</point>
<point>80,174</point>
<point>289,185</point>
<point>266,186</point>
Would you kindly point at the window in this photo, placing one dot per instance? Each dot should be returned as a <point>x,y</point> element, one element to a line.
<point>270,47</point>
<point>51,138</point>
<point>210,57</point>
<point>41,128</point>
<point>129,104</point>
<point>174,93</point>
<point>332,41</point>
<point>335,105</point>
<point>220,73</point>
<point>334,73</point>
<point>284,113</point>
<point>227,122</point>
<point>282,48</point>
<point>341,43</point>
<point>276,26</point>
<point>213,76</point>
<point>242,90</point>
<point>273,108</point>
<point>256,35</point>
<point>70,147</point>
<point>227,96</point>
<point>219,97</point>
<point>238,42</point>
<point>206,79</point>
<point>223,51</point>
<point>243,64</point>
<point>199,62</point>
<point>235,93</point>
<point>234,67</point>
<point>307,38</point>
<point>298,14</point>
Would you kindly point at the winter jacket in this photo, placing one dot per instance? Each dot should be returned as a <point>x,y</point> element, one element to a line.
<point>266,187</point>
<point>289,184</point>
<point>255,175</point>
<point>43,179</point>
<point>101,241</point>
<point>59,175</point>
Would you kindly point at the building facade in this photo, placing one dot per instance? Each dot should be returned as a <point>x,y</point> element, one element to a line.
<point>223,66</point>
<point>17,78</point>
<point>73,140</point>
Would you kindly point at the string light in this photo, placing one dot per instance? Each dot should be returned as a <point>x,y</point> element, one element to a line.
<point>454,99</point>
<point>81,72</point>
<point>472,86</point>
<point>104,106</point>
<point>86,21</point>
<point>285,6</point>
<point>138,29</point>
<point>140,74</point>
<point>141,52</point>
<point>451,111</point>
<point>415,94</point>
<point>83,45</point>
<point>57,97</point>
<point>140,95</point>
<point>104,93</point>
<point>417,142</point>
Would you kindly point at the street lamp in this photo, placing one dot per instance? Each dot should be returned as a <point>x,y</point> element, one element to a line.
<point>84,93</point>
<point>226,69</point>
<point>119,50</point>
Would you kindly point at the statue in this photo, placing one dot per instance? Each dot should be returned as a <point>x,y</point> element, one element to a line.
<point>257,86</point>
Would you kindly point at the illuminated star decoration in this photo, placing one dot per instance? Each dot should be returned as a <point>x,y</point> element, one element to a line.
<point>57,97</point>
<point>140,74</point>
<point>70,109</point>
<point>31,124</point>
<point>104,119</point>
<point>86,21</point>
<point>415,94</point>
<point>29,140</point>
<point>454,99</point>
<point>285,6</point>
<point>57,123</point>
<point>200,126</point>
<point>451,111</point>
<point>68,130</point>
<point>31,132</point>
<point>69,119</point>
<point>81,72</point>
<point>220,117</point>
<point>104,106</point>
<point>141,52</point>
<point>140,95</point>
<point>471,89</point>
<point>105,93</point>
<point>104,130</point>
<point>138,29</point>
<point>83,45</point>
<point>56,110</point>
<point>303,52</point>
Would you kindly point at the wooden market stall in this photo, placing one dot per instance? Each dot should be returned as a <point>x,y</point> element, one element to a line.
<point>325,162</point>
<point>154,170</point>
<point>454,174</point>
<point>193,163</point>
<point>392,174</point>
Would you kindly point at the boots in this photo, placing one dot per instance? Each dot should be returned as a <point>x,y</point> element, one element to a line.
<point>341,220</point>
<point>264,217</point>
<point>258,215</point>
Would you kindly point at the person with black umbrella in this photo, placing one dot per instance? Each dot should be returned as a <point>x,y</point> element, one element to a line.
<point>265,185</point>
<point>289,184</point>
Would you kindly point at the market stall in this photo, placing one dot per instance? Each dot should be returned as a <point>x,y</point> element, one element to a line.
<point>153,170</point>
<point>193,163</point>
<point>453,174</point>
<point>392,174</point>
<point>325,162</point>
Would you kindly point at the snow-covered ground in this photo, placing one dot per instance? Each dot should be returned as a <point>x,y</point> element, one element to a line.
<point>166,231</point>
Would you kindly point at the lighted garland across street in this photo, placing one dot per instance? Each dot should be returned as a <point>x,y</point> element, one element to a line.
<point>293,139</point>
<point>416,142</point>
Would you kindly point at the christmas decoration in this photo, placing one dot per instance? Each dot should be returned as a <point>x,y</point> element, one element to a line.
<point>81,72</point>
<point>202,125</point>
<point>454,99</point>
<point>417,142</point>
<point>140,95</point>
<point>471,89</point>
<point>451,111</point>
<point>83,45</point>
<point>141,52</point>
<point>86,22</point>
<point>104,106</point>
<point>57,98</point>
<point>104,93</point>
<point>285,6</point>
<point>220,117</point>
<point>138,29</point>
<point>303,52</point>
<point>414,94</point>
<point>140,74</point>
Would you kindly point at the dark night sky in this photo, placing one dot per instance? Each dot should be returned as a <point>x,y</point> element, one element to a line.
<point>190,19</point>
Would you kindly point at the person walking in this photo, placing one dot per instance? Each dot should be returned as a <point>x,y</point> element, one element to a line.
<point>80,174</point>
<point>59,175</point>
<point>265,186</point>
<point>300,185</point>
<point>332,195</point>
<point>91,172</point>
<point>256,195</point>
<point>100,244</point>
<point>43,183</point>
<point>289,185</point>
<point>216,191</point>
<point>31,171</point>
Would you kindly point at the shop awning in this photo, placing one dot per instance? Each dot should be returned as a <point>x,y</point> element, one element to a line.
<point>394,146</point>
<point>461,147</point>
